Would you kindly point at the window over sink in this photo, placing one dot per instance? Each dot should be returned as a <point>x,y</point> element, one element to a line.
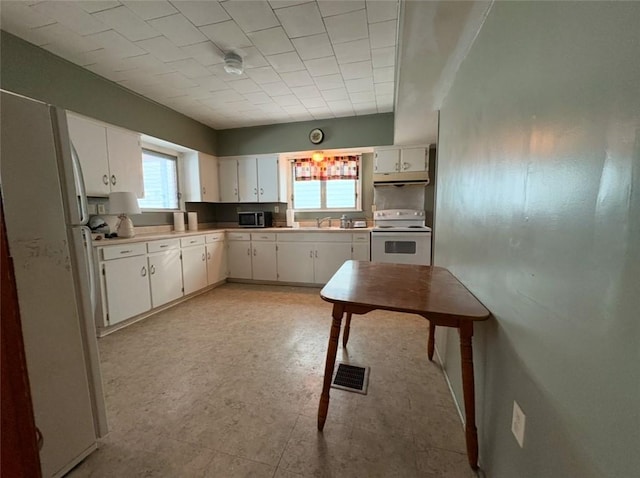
<point>331,184</point>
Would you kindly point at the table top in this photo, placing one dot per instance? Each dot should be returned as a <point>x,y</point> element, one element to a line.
<point>404,288</point>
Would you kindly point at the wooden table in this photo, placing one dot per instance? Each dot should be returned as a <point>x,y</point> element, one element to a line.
<point>429,291</point>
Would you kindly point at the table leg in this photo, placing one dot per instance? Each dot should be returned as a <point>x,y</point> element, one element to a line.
<point>338,311</point>
<point>432,340</point>
<point>347,327</point>
<point>471,433</point>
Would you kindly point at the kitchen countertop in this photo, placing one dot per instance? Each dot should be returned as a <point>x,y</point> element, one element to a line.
<point>152,236</point>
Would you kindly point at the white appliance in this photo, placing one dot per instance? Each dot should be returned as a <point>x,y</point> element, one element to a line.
<point>45,214</point>
<point>400,236</point>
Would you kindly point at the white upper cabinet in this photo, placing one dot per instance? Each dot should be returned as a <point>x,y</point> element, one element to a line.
<point>268,180</point>
<point>228,177</point>
<point>90,142</point>
<point>413,159</point>
<point>111,158</point>
<point>387,161</point>
<point>125,161</point>
<point>250,179</point>
<point>400,160</point>
<point>201,178</point>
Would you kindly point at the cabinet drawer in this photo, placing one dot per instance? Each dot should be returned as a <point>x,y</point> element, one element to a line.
<point>360,237</point>
<point>332,237</point>
<point>191,241</point>
<point>124,250</point>
<point>263,236</point>
<point>217,237</point>
<point>164,245</point>
<point>239,236</point>
<point>296,237</point>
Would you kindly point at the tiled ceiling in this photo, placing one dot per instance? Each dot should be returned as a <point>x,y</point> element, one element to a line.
<point>303,60</point>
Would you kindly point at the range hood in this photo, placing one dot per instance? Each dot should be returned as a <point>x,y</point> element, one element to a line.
<point>414,177</point>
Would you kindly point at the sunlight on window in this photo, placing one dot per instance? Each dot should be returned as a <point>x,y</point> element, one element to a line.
<point>306,195</point>
<point>160,173</point>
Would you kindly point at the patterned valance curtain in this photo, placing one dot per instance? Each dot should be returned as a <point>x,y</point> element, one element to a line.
<point>335,167</point>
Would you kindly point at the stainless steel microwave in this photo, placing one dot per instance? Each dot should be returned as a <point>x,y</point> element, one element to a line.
<point>255,219</point>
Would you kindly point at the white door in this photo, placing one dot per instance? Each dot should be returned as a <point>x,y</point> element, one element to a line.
<point>360,251</point>
<point>216,262</point>
<point>90,141</point>
<point>329,256</point>
<point>125,161</point>
<point>413,159</point>
<point>239,257</point>
<point>264,261</point>
<point>127,288</point>
<point>194,268</point>
<point>228,180</point>
<point>165,276</point>
<point>267,179</point>
<point>248,179</point>
<point>209,177</point>
<point>387,161</point>
<point>295,262</point>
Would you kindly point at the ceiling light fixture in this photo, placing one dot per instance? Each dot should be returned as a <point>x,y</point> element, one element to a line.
<point>233,63</point>
<point>317,156</point>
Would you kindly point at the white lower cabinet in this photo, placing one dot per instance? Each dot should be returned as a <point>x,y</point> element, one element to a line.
<point>328,257</point>
<point>165,277</point>
<point>263,260</point>
<point>295,262</point>
<point>125,282</point>
<point>216,258</point>
<point>312,257</point>
<point>239,255</point>
<point>361,250</point>
<point>194,264</point>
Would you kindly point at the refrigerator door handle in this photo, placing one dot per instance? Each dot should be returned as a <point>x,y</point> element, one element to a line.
<point>79,180</point>
<point>86,236</point>
<point>70,170</point>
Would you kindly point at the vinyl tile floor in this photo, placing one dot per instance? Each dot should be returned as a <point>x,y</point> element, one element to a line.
<point>227,385</point>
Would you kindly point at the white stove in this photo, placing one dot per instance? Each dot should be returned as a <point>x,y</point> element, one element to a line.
<point>400,236</point>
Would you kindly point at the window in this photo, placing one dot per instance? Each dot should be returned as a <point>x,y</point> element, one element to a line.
<point>160,172</point>
<point>330,184</point>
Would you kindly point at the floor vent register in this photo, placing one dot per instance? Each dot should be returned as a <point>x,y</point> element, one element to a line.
<point>351,378</point>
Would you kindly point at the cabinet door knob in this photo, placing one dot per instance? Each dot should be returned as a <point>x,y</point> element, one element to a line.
<point>152,269</point>
<point>113,179</point>
<point>316,254</point>
<point>311,254</point>
<point>261,191</point>
<point>203,257</point>
<point>405,166</point>
<point>249,251</point>
<point>105,180</point>
<point>143,271</point>
<point>255,252</point>
<point>209,255</point>
<point>397,167</point>
<point>255,191</point>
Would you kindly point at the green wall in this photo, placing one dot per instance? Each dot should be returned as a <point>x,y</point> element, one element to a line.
<point>31,71</point>
<point>352,132</point>
<point>538,213</point>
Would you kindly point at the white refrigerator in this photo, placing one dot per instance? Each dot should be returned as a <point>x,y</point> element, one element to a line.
<point>46,214</point>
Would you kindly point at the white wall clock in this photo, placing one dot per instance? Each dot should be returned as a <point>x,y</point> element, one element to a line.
<point>316,136</point>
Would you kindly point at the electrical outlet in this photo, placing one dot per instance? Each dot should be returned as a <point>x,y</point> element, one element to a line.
<point>101,209</point>
<point>92,209</point>
<point>276,209</point>
<point>517,423</point>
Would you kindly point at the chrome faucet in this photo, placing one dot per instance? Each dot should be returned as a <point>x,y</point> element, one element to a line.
<point>320,221</point>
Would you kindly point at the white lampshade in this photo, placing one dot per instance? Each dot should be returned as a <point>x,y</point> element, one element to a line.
<point>123,203</point>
